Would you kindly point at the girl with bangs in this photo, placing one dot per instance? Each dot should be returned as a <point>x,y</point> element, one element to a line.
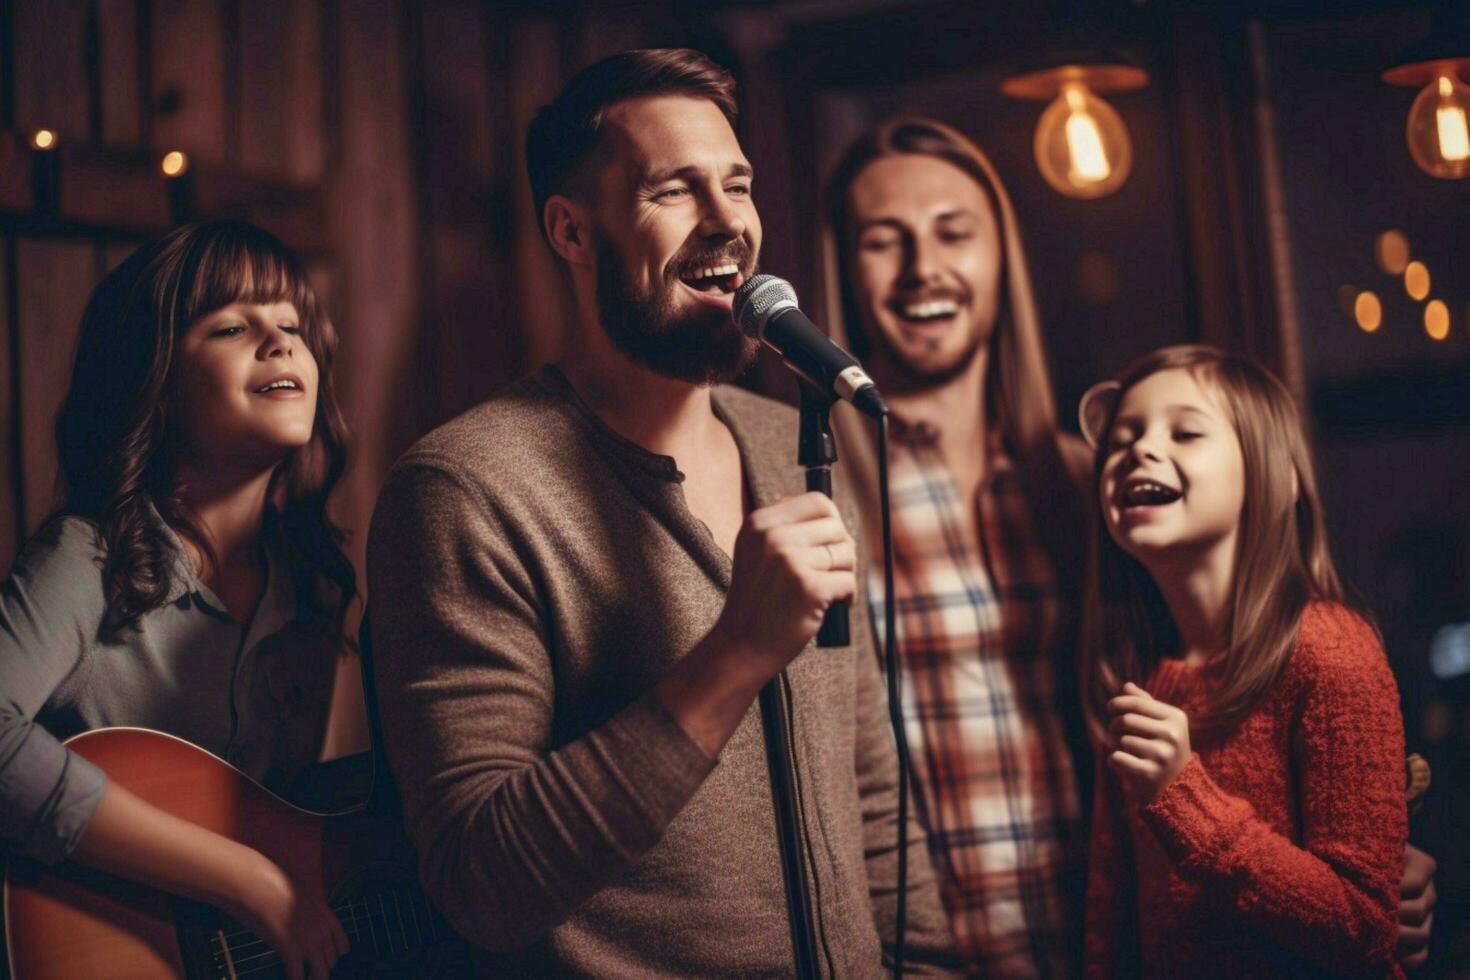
<point>1249,820</point>
<point>192,581</point>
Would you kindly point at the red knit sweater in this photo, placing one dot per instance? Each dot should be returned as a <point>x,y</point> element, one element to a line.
<point>1277,850</point>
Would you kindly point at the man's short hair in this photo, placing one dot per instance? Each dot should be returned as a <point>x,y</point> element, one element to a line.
<point>565,135</point>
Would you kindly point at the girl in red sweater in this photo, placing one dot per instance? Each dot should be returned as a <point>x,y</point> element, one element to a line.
<point>1249,817</point>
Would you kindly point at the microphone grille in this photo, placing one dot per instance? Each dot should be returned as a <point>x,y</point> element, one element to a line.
<point>755,299</point>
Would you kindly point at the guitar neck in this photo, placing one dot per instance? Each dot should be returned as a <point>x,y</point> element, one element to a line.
<point>383,925</point>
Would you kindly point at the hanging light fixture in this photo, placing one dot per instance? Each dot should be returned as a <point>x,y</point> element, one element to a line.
<point>1081,145</point>
<point>1438,130</point>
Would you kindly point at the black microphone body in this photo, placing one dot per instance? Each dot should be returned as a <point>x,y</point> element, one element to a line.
<point>765,308</point>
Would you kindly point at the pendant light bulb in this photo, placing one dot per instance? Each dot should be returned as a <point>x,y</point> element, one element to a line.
<point>1438,130</point>
<point>1082,146</point>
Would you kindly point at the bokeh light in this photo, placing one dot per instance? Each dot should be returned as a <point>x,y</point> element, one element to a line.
<point>1392,252</point>
<point>1368,311</point>
<point>1416,280</point>
<point>174,163</point>
<point>1437,319</point>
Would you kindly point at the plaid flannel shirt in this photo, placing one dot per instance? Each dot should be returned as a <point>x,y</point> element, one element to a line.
<point>979,632</point>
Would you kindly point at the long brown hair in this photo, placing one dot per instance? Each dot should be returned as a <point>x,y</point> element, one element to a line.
<point>1018,395</point>
<point>116,438</point>
<point>1282,561</point>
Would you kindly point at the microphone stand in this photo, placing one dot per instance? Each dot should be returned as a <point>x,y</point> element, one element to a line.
<point>816,450</point>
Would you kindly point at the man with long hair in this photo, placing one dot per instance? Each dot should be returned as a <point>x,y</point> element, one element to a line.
<point>931,289</point>
<point>580,586</point>
<point>927,282</point>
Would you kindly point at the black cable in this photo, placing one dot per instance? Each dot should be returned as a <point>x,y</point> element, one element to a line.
<point>895,701</point>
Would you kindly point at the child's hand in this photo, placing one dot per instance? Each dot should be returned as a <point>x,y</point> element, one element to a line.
<point>1150,741</point>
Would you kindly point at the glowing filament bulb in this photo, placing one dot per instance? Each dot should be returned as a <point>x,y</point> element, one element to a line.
<point>1084,143</point>
<point>1438,129</point>
<point>1454,139</point>
<point>1082,147</point>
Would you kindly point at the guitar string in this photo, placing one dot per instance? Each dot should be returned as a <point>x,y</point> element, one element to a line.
<point>272,958</point>
<point>350,920</point>
<point>338,909</point>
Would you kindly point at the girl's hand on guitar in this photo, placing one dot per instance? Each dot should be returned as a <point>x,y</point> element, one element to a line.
<point>301,928</point>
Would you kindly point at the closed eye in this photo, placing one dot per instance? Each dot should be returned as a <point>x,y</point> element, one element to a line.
<point>1187,436</point>
<point>227,331</point>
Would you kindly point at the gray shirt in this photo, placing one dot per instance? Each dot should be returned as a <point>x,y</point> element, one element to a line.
<point>255,694</point>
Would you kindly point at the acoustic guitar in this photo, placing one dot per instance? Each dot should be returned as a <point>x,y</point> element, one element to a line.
<point>69,921</point>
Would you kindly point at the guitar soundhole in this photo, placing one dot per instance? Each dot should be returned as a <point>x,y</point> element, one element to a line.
<point>393,930</point>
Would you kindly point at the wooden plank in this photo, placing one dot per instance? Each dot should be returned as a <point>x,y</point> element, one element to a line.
<point>189,78</point>
<point>54,278</point>
<point>281,98</point>
<point>291,213</point>
<point>265,88</point>
<point>455,89</point>
<point>305,117</point>
<point>535,77</point>
<point>113,253</point>
<point>50,68</point>
<point>113,189</point>
<point>371,212</point>
<point>10,524</point>
<point>476,346</point>
<point>15,173</point>
<point>117,49</point>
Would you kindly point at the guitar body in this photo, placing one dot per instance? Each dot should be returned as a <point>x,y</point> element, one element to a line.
<point>71,922</point>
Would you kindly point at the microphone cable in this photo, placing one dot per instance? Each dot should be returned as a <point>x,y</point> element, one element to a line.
<point>895,700</point>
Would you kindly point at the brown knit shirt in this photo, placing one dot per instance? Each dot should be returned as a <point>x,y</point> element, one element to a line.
<point>533,575</point>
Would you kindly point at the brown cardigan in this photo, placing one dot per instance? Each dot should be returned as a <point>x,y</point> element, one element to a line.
<point>533,575</point>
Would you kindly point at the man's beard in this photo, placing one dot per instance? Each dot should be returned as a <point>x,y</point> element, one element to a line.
<point>903,372</point>
<point>703,346</point>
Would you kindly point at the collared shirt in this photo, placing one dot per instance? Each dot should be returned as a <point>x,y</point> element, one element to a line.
<point>253,693</point>
<point>979,631</point>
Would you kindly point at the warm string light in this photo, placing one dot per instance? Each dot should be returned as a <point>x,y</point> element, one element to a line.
<point>43,139</point>
<point>1392,252</point>
<point>1392,255</point>
<point>174,163</point>
<point>1416,280</point>
<point>1437,319</point>
<point>1368,311</point>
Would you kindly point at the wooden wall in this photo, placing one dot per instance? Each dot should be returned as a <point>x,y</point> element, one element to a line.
<point>380,138</point>
<point>383,139</point>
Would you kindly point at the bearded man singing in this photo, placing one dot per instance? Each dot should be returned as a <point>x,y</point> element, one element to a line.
<point>579,588</point>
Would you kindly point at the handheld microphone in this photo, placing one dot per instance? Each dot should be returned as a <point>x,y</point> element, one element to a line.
<point>765,308</point>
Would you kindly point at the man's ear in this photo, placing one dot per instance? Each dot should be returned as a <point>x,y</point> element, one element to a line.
<point>568,227</point>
